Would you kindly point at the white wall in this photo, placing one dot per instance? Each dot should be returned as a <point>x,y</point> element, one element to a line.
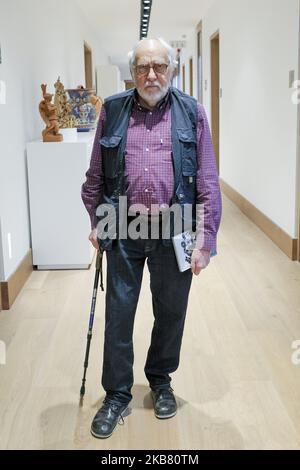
<point>125,71</point>
<point>186,53</point>
<point>40,40</point>
<point>258,121</point>
<point>108,80</point>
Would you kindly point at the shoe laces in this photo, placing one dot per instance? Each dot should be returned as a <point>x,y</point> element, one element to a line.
<point>116,407</point>
<point>121,420</point>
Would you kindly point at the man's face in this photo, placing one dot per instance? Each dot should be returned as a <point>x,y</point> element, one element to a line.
<point>152,85</point>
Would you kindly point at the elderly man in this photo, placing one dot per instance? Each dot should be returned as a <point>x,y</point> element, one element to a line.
<point>152,145</point>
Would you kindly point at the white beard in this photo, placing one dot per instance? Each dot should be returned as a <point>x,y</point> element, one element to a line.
<point>152,98</point>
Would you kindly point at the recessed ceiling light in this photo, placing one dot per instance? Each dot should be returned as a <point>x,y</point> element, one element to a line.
<point>145,17</point>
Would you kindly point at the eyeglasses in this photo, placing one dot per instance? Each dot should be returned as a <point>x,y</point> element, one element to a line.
<point>145,69</point>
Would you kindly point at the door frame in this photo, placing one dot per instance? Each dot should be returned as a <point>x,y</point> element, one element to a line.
<point>215,93</point>
<point>199,29</point>
<point>191,72</point>
<point>88,65</point>
<point>298,152</point>
<point>183,78</point>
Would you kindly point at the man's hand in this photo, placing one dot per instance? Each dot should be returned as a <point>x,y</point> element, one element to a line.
<point>200,259</point>
<point>93,238</point>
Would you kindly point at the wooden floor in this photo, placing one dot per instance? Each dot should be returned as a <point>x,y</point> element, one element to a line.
<point>237,387</point>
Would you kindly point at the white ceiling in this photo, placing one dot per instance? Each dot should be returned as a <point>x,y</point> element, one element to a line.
<point>117,22</point>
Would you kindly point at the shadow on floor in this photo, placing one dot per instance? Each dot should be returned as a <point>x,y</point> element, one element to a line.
<point>67,426</point>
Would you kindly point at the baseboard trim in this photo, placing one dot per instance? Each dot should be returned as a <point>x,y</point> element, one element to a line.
<point>284,241</point>
<point>11,288</point>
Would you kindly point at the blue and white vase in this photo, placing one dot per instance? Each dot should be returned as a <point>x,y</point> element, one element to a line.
<point>82,109</point>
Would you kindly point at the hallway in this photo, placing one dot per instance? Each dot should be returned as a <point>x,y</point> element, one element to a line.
<point>237,387</point>
<point>90,111</point>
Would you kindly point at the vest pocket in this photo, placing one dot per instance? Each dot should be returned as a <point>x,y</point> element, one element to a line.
<point>186,135</point>
<point>110,154</point>
<point>188,145</point>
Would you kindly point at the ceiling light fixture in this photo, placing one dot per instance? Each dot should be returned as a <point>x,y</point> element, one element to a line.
<point>145,17</point>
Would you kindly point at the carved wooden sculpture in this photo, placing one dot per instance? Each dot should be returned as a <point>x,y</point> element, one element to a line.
<point>97,102</point>
<point>63,108</point>
<point>49,116</point>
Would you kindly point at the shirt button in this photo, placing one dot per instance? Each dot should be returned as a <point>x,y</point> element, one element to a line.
<point>146,190</point>
<point>148,130</point>
<point>146,169</point>
<point>148,209</point>
<point>150,113</point>
<point>147,150</point>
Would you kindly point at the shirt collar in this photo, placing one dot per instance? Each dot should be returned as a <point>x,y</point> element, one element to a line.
<point>159,106</point>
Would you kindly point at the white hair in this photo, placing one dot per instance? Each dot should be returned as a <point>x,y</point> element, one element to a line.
<point>170,52</point>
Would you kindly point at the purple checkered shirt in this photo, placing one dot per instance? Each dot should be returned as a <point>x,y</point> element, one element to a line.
<point>149,169</point>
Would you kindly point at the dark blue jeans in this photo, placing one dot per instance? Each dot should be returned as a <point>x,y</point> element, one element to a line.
<point>170,290</point>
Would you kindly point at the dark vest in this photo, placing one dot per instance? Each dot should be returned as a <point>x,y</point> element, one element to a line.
<point>184,149</point>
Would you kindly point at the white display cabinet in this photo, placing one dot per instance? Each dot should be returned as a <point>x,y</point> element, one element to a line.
<point>60,224</point>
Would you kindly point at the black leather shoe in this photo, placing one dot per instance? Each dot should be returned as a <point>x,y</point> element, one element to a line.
<point>164,401</point>
<point>107,418</point>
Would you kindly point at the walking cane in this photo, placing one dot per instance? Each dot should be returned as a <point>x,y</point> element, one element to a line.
<point>91,320</point>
